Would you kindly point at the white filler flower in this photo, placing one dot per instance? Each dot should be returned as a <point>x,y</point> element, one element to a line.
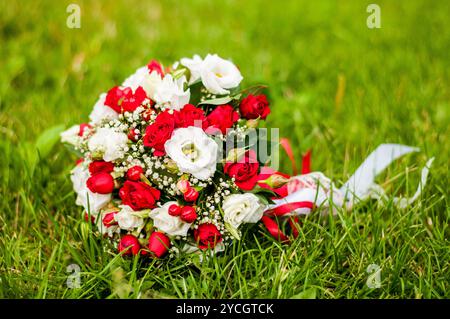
<point>102,112</point>
<point>171,91</point>
<point>92,202</point>
<point>193,152</point>
<point>171,225</point>
<point>242,208</point>
<point>109,143</point>
<point>127,218</point>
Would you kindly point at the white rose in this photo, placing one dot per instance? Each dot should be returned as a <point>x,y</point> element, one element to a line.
<point>142,77</point>
<point>193,152</point>
<point>109,143</point>
<point>218,74</point>
<point>242,208</point>
<point>195,67</point>
<point>128,219</point>
<point>171,91</point>
<point>70,135</point>
<point>92,202</point>
<point>171,225</point>
<point>102,112</point>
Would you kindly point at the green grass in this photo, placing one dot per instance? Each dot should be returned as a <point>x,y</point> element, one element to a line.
<point>396,90</point>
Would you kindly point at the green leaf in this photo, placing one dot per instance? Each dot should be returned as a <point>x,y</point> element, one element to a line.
<point>310,293</point>
<point>233,231</point>
<point>48,139</point>
<point>218,101</point>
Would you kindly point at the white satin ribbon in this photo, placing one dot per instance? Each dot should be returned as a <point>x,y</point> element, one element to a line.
<point>318,189</point>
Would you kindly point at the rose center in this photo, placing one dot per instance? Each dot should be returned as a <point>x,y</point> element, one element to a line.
<point>190,151</point>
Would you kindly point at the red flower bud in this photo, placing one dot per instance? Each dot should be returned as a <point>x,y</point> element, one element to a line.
<point>158,244</point>
<point>191,195</point>
<point>134,173</point>
<point>130,245</point>
<point>108,220</point>
<point>133,136</point>
<point>183,185</point>
<point>174,210</point>
<point>188,214</point>
<point>102,183</point>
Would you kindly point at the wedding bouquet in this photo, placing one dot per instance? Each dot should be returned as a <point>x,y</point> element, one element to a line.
<point>169,163</point>
<point>158,170</point>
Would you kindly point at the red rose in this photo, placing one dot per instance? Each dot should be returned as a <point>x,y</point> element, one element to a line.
<point>253,107</point>
<point>133,100</point>
<point>245,171</point>
<point>115,97</point>
<point>154,65</point>
<point>138,195</point>
<point>223,117</point>
<point>101,183</point>
<point>130,245</point>
<point>189,115</point>
<point>100,167</point>
<point>159,132</point>
<point>207,236</point>
<point>158,244</point>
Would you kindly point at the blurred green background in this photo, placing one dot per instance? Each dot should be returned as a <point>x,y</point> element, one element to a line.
<point>336,86</point>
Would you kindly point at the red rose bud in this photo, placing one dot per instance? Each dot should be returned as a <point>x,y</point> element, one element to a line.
<point>100,167</point>
<point>79,161</point>
<point>253,107</point>
<point>133,136</point>
<point>174,210</point>
<point>83,127</point>
<point>158,244</point>
<point>86,218</point>
<point>101,183</point>
<point>130,245</point>
<point>207,236</point>
<point>108,220</point>
<point>191,195</point>
<point>134,173</point>
<point>183,185</point>
<point>274,181</point>
<point>188,214</point>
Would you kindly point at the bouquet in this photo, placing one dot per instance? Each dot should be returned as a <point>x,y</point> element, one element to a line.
<point>158,170</point>
<point>171,161</point>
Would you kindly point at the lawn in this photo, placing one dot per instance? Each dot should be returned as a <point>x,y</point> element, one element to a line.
<point>336,87</point>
